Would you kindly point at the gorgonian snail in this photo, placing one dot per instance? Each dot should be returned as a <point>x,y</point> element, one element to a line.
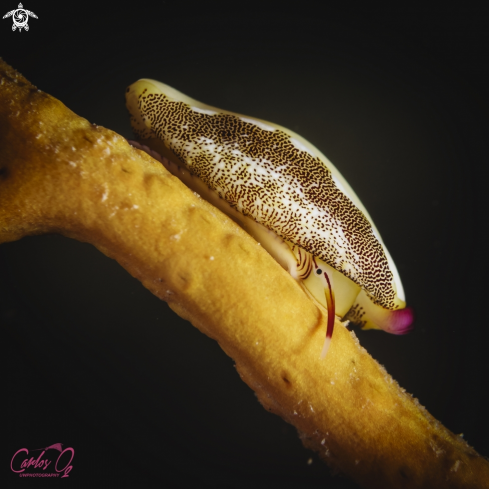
<point>285,193</point>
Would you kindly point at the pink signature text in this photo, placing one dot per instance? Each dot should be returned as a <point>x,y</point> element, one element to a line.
<point>40,463</point>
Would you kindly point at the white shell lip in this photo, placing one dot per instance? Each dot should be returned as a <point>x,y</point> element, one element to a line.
<point>392,266</point>
<point>298,141</point>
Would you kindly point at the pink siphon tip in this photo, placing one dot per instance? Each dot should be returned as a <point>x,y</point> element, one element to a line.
<point>400,322</point>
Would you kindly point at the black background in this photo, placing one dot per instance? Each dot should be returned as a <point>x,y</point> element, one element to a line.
<point>396,98</point>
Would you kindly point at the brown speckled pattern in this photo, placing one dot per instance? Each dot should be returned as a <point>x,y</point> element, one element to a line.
<point>266,175</point>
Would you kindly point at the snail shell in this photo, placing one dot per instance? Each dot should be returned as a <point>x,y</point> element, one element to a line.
<point>284,192</point>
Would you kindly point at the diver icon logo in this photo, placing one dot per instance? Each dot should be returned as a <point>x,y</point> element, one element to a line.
<point>20,16</point>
